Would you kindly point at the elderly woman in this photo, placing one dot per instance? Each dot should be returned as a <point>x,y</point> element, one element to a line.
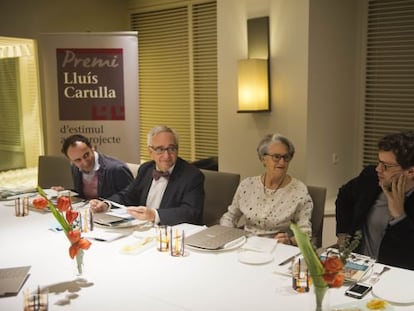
<point>270,202</point>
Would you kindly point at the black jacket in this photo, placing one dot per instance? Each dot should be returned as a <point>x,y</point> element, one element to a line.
<point>183,199</point>
<point>354,201</point>
<point>113,176</point>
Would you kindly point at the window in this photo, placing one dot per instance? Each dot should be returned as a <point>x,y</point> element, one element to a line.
<point>389,91</point>
<point>20,128</point>
<point>177,57</point>
<point>11,134</point>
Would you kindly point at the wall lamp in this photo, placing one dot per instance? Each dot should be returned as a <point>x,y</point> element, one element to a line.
<point>253,73</point>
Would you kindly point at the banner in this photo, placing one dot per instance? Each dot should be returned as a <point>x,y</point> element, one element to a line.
<point>90,87</point>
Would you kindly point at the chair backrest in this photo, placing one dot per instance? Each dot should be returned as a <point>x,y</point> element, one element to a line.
<point>219,190</point>
<point>318,195</point>
<point>133,168</point>
<point>54,171</point>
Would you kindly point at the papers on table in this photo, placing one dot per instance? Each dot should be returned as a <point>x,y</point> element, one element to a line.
<point>113,217</point>
<point>6,195</point>
<point>357,266</point>
<point>120,212</point>
<point>105,219</point>
<point>101,235</point>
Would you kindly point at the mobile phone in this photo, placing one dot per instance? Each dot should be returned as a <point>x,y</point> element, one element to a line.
<point>358,290</point>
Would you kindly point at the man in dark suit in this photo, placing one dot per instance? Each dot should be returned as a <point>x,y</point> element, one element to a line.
<point>380,202</point>
<point>167,190</point>
<point>95,175</point>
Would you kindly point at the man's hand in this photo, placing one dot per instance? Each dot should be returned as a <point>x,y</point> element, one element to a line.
<point>142,212</point>
<point>98,206</point>
<point>342,237</point>
<point>395,194</point>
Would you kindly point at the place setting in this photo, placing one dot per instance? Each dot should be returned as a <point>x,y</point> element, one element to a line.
<point>395,286</point>
<point>165,239</point>
<point>257,250</point>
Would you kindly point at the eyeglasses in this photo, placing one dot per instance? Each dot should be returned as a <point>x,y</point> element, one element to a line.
<point>386,166</point>
<point>161,150</point>
<point>277,157</point>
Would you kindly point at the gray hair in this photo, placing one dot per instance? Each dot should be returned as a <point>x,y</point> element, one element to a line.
<point>270,139</point>
<point>160,129</point>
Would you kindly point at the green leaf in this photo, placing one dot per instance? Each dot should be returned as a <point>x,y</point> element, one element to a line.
<point>59,217</point>
<point>313,262</point>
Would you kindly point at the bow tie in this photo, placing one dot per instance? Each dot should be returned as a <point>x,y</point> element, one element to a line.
<point>158,174</point>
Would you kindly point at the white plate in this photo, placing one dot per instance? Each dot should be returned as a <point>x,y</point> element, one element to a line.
<point>228,247</point>
<point>255,258</point>
<point>395,286</point>
<point>360,305</point>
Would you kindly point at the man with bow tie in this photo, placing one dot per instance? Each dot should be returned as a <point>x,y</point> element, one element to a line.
<point>167,190</point>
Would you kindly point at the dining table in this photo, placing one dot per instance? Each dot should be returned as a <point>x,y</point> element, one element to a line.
<point>123,273</point>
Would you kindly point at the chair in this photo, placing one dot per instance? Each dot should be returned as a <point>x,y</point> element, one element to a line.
<point>318,195</point>
<point>219,190</point>
<point>133,168</point>
<point>54,171</point>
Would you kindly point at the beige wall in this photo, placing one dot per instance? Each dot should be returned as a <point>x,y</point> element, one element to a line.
<point>27,18</point>
<point>314,72</point>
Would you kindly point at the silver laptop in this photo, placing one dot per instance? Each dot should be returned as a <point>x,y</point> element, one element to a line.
<point>12,280</point>
<point>215,237</point>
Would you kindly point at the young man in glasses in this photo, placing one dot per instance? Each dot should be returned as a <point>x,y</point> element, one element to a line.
<point>380,202</point>
<point>167,190</point>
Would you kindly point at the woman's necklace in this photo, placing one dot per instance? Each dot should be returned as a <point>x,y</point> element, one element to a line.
<point>274,190</point>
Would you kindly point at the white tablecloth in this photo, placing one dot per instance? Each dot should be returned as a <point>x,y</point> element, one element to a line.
<point>150,280</point>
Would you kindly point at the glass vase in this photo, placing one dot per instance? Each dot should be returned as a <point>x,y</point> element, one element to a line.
<point>79,263</point>
<point>321,297</point>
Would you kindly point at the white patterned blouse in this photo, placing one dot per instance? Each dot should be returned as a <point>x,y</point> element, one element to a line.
<point>267,211</point>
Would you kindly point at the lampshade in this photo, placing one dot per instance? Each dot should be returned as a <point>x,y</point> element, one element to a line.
<point>253,83</point>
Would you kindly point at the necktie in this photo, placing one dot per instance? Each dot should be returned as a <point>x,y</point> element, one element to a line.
<point>158,174</point>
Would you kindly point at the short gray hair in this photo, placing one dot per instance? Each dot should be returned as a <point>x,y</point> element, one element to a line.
<point>269,139</point>
<point>160,129</point>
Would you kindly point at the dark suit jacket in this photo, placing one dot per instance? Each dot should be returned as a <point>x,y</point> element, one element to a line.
<point>354,201</point>
<point>113,176</point>
<point>183,199</point>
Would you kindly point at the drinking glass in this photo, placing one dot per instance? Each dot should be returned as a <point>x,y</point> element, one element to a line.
<point>162,238</point>
<point>36,301</point>
<point>176,242</point>
<point>300,275</point>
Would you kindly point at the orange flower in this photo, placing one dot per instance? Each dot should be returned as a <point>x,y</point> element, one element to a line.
<point>74,236</point>
<point>84,243</point>
<point>40,202</point>
<point>63,203</point>
<point>332,275</point>
<point>75,247</point>
<point>67,221</point>
<point>338,281</point>
<point>71,215</point>
<point>73,250</point>
<point>333,264</point>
